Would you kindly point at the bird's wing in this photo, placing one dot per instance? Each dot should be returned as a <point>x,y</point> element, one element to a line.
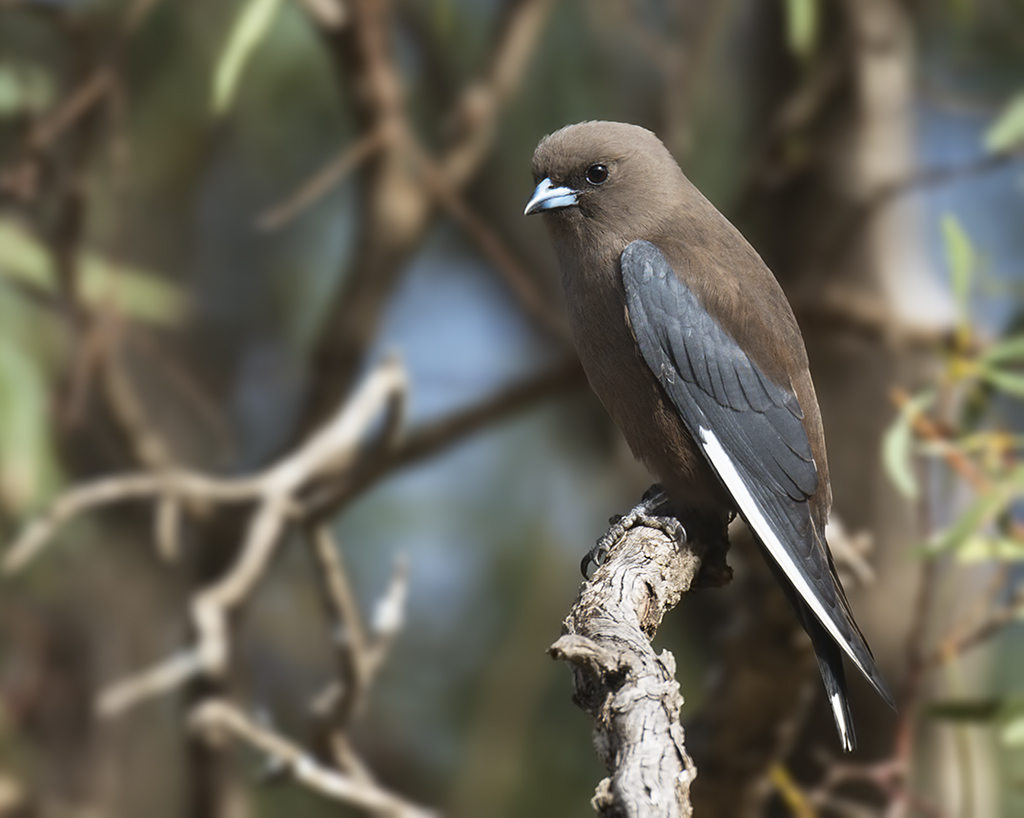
<point>749,428</point>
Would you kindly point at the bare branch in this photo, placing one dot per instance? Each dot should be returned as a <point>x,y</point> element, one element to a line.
<point>433,436</point>
<point>323,181</point>
<point>476,113</point>
<point>395,208</point>
<point>360,652</point>
<point>348,630</point>
<point>275,491</point>
<point>520,282</point>
<point>628,689</point>
<point>217,718</point>
<point>324,455</point>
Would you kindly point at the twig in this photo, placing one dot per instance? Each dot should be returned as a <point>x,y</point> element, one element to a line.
<point>475,114</point>
<point>884,194</point>
<point>523,287</point>
<point>388,234</point>
<point>328,451</point>
<point>628,689</point>
<point>275,491</point>
<point>348,629</point>
<point>433,436</point>
<point>959,643</point>
<point>322,182</point>
<point>361,650</point>
<point>215,718</point>
<point>927,429</point>
<point>94,88</point>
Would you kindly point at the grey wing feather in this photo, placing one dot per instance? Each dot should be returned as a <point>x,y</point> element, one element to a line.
<point>715,386</point>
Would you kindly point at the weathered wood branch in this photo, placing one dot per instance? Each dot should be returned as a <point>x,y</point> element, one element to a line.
<point>629,690</point>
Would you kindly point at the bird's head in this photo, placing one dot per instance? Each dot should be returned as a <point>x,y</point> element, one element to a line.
<point>604,174</point>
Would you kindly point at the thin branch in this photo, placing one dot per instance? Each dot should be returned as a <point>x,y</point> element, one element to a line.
<point>327,453</point>
<point>216,719</point>
<point>360,651</point>
<point>883,195</point>
<point>94,88</point>
<point>927,429</point>
<point>475,115</point>
<point>322,182</point>
<point>997,619</point>
<point>349,631</point>
<point>523,287</point>
<point>433,436</point>
<point>395,210</point>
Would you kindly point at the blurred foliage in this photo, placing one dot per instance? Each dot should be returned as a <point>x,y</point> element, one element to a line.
<point>27,460</point>
<point>33,348</point>
<point>1006,133</point>
<point>25,89</point>
<point>245,307</point>
<point>250,28</point>
<point>104,285</point>
<point>959,426</point>
<point>802,21</point>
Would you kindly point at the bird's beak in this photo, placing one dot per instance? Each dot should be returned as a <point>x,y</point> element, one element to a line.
<point>549,197</point>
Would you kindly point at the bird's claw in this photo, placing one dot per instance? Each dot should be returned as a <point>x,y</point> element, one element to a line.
<point>643,514</point>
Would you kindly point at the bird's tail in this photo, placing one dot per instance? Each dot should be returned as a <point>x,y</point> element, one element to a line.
<point>830,663</point>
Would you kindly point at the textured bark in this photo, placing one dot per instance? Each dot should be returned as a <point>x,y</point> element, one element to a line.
<point>629,690</point>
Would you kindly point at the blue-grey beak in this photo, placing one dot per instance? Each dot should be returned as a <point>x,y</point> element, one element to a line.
<point>549,197</point>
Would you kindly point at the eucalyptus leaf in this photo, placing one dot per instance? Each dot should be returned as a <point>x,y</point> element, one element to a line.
<point>980,548</point>
<point>978,515</point>
<point>248,31</point>
<point>1012,383</point>
<point>136,293</point>
<point>1012,734</point>
<point>1004,351</point>
<point>1007,132</point>
<point>24,89</point>
<point>26,455</point>
<point>961,259</point>
<point>802,26</point>
<point>898,446</point>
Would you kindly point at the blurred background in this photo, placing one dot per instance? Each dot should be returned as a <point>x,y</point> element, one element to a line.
<point>217,218</point>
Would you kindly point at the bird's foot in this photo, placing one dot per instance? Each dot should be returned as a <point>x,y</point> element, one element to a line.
<point>645,513</point>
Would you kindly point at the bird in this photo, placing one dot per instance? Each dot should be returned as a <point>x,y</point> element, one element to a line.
<point>692,347</point>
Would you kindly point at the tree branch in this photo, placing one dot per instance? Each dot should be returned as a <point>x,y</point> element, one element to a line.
<point>217,718</point>
<point>628,689</point>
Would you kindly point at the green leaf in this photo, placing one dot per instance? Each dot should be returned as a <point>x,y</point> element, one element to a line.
<point>250,27</point>
<point>898,445</point>
<point>979,548</point>
<point>979,514</point>
<point>1007,132</point>
<point>802,27</point>
<point>962,259</point>
<point>969,710</point>
<point>24,89</point>
<point>962,11</point>
<point>1012,383</point>
<point>1012,734</point>
<point>136,293</point>
<point>26,455</point>
<point>1008,350</point>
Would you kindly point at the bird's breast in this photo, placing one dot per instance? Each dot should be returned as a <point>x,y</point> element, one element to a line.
<point>629,391</point>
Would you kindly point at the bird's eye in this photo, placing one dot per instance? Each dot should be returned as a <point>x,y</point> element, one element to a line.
<point>597,174</point>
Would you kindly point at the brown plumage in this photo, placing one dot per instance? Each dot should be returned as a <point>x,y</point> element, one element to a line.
<point>690,344</point>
